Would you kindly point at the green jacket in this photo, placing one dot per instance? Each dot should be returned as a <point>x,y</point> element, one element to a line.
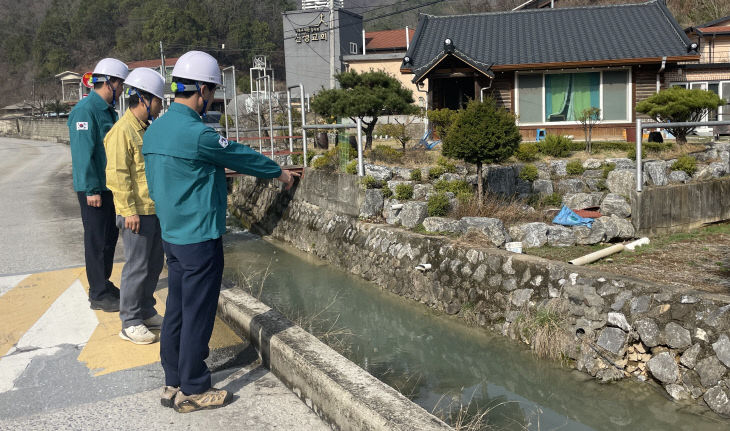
<point>88,123</point>
<point>185,163</point>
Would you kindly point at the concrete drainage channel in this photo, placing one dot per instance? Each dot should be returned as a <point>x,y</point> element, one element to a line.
<point>341,393</point>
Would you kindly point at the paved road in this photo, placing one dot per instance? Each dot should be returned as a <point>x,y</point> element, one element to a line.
<point>62,365</point>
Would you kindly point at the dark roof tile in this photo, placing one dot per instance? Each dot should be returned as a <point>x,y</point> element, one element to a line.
<point>563,35</point>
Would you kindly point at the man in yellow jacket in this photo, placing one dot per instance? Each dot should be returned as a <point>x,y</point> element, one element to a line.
<point>136,219</point>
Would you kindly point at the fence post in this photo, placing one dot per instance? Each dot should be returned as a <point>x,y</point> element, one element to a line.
<point>360,164</point>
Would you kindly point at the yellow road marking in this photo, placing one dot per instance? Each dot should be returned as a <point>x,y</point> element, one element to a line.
<point>107,353</point>
<point>24,304</point>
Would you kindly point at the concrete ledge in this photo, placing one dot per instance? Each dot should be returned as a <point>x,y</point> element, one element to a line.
<point>343,394</point>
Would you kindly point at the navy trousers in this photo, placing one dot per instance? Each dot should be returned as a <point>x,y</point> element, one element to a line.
<point>194,279</point>
<point>100,240</point>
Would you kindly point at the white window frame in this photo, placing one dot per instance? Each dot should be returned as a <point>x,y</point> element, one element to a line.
<point>629,92</point>
<point>353,47</point>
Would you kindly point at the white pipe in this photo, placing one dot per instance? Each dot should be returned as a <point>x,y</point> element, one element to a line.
<point>363,42</point>
<point>408,39</point>
<point>661,69</point>
<point>304,123</point>
<point>288,115</point>
<point>592,257</point>
<point>639,135</point>
<point>423,267</point>
<point>396,206</point>
<point>639,242</point>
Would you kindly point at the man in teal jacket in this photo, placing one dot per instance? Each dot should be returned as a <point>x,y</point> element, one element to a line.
<point>88,123</point>
<point>185,163</point>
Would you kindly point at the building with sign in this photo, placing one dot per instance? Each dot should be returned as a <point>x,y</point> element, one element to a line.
<point>307,48</point>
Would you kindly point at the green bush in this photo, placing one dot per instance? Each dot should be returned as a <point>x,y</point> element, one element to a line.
<point>601,185</point>
<point>526,152</point>
<point>324,162</point>
<point>685,163</point>
<point>438,205</point>
<point>555,146</point>
<point>441,120</point>
<point>351,167</point>
<point>448,165</point>
<point>607,168</point>
<point>553,200</point>
<point>528,173</point>
<point>416,175</point>
<point>384,153</point>
<point>455,187</point>
<point>387,192</point>
<point>465,196</point>
<point>631,154</point>
<point>370,182</point>
<point>574,167</point>
<point>298,159</point>
<point>435,172</point>
<point>403,192</point>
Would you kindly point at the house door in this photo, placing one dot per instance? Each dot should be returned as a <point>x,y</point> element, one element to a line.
<point>456,92</point>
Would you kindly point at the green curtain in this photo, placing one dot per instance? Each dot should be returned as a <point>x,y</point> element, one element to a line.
<point>585,93</point>
<point>556,94</point>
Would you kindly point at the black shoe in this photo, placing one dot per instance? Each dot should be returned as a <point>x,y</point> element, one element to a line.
<point>107,303</point>
<point>112,289</point>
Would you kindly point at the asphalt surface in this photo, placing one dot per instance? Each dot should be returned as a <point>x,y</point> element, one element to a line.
<point>62,365</point>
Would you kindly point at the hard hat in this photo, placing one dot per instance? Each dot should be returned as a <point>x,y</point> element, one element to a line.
<point>145,79</point>
<point>198,66</point>
<point>111,67</point>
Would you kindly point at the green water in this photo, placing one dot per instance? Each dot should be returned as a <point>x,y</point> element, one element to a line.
<point>440,363</point>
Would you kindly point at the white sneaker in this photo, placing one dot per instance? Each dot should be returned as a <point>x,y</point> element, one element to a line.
<point>154,322</point>
<point>137,334</point>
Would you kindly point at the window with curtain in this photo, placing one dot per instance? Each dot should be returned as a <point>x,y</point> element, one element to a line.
<point>568,94</point>
<point>530,98</point>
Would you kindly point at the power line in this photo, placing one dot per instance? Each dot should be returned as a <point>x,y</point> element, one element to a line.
<point>383,15</point>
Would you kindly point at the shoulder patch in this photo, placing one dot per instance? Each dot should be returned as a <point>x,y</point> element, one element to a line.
<point>82,125</point>
<point>223,142</point>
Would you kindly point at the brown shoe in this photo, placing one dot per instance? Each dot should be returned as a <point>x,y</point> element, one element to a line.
<point>210,399</point>
<point>168,395</point>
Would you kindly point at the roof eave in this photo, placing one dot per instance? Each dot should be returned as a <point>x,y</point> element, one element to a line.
<point>428,67</point>
<point>592,63</point>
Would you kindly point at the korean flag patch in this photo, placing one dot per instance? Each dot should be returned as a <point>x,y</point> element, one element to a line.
<point>82,125</point>
<point>223,142</point>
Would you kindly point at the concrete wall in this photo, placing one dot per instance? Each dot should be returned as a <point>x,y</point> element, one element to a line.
<point>53,129</point>
<point>641,327</point>
<point>680,207</point>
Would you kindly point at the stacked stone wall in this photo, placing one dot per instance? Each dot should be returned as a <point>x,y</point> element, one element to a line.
<point>628,328</point>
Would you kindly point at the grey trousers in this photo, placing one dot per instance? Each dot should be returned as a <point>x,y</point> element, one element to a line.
<point>144,255</point>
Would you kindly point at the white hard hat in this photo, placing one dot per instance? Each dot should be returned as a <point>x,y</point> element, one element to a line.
<point>111,67</point>
<point>146,79</point>
<point>197,66</point>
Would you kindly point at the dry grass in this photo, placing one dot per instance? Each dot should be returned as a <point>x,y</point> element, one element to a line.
<point>468,417</point>
<point>326,329</point>
<point>510,210</point>
<point>542,328</point>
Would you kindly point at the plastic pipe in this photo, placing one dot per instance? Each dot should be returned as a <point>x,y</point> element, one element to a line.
<point>423,267</point>
<point>638,243</point>
<point>596,255</point>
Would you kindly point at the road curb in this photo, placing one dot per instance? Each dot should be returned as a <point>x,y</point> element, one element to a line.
<point>341,393</point>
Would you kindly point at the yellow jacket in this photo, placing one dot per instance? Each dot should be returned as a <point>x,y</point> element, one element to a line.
<point>125,174</point>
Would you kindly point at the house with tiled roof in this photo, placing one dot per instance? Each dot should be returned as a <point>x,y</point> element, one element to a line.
<point>713,70</point>
<point>384,50</point>
<point>548,65</point>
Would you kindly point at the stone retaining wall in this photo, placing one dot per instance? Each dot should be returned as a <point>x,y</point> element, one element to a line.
<point>677,338</point>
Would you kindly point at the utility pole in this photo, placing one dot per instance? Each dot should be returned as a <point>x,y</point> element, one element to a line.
<point>163,71</point>
<point>332,44</point>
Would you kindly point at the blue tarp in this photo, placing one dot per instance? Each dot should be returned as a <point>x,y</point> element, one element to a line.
<point>567,217</point>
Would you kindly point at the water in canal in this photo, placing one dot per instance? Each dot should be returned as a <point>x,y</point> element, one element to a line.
<point>439,362</point>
